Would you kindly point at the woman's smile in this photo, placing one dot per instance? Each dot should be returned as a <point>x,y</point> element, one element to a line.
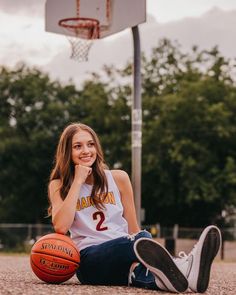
<point>83,149</point>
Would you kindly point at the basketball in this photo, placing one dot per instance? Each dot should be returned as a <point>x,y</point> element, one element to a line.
<point>54,258</point>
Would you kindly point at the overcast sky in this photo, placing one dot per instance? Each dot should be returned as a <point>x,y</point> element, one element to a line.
<point>169,10</point>
<point>23,37</point>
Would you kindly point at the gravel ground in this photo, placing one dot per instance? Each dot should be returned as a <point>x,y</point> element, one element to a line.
<point>16,278</point>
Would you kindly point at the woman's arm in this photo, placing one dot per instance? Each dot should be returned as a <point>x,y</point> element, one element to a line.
<point>127,198</point>
<point>63,211</point>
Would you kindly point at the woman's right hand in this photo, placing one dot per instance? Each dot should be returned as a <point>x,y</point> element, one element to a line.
<point>81,173</point>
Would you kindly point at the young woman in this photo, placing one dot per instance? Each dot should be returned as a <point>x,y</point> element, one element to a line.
<point>96,206</point>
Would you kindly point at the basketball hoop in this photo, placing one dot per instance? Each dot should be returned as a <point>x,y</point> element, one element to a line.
<point>84,31</point>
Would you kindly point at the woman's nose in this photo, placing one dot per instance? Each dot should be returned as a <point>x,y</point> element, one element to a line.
<point>85,149</point>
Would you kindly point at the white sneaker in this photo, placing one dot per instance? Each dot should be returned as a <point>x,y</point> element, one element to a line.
<point>158,260</point>
<point>196,266</point>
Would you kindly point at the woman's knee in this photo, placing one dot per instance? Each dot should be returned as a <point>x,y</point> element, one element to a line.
<point>143,234</point>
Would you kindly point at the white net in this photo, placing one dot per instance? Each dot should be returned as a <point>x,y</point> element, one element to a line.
<point>79,48</point>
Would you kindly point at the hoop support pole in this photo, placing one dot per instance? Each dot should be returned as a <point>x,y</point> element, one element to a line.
<point>136,132</point>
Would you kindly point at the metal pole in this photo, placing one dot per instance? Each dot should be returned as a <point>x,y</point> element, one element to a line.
<point>136,114</point>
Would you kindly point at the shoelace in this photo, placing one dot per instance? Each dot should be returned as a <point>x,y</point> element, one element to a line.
<point>182,254</point>
<point>131,237</point>
<point>132,274</point>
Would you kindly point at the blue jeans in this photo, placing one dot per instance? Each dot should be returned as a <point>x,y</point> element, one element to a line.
<point>109,264</point>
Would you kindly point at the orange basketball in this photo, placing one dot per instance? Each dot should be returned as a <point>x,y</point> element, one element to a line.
<point>54,258</point>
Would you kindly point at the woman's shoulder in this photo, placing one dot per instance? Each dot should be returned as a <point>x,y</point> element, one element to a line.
<point>119,175</point>
<point>54,184</point>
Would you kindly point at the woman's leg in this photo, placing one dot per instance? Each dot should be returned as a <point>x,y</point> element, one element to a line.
<point>109,264</point>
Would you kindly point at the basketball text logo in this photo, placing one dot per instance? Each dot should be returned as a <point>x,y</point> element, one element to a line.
<point>53,265</point>
<point>86,202</point>
<point>59,248</point>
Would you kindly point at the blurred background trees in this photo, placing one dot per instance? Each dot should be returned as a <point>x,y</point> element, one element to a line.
<point>189,126</point>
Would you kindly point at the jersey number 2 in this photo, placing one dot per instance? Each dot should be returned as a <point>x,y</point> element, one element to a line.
<point>99,215</point>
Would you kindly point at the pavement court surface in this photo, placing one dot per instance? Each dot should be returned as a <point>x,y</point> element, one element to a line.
<point>17,278</point>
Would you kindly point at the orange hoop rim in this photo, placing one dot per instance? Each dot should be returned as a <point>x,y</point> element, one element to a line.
<point>90,22</point>
<point>80,23</point>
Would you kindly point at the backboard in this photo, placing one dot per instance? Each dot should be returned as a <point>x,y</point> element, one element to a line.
<point>112,15</point>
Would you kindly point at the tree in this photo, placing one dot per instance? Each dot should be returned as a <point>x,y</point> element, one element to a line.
<point>31,117</point>
<point>189,136</point>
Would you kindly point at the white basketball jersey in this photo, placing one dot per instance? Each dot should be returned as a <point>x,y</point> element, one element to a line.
<point>93,226</point>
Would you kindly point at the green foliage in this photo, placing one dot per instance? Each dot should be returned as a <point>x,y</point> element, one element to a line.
<point>189,137</point>
<point>34,111</point>
<point>189,142</point>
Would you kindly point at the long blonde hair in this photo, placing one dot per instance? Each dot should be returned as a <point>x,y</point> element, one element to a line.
<point>64,167</point>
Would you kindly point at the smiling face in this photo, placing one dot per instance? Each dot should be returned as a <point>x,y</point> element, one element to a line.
<point>83,149</point>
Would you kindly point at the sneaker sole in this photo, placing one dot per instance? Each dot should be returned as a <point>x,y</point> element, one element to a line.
<point>209,251</point>
<point>158,261</point>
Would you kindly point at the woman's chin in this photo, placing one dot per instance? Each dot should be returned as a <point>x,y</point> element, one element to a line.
<point>87,164</point>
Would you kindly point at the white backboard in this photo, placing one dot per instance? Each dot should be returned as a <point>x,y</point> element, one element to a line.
<point>113,15</point>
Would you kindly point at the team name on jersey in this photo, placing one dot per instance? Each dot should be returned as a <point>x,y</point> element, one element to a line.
<point>86,202</point>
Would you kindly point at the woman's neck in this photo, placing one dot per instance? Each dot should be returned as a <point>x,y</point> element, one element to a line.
<point>89,180</point>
